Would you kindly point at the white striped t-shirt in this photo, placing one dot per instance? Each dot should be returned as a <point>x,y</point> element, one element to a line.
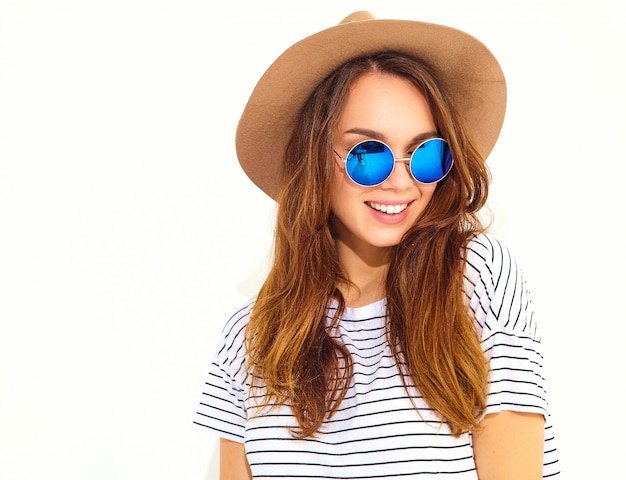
<point>377,432</point>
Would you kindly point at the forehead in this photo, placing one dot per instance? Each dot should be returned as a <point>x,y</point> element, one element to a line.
<point>386,106</point>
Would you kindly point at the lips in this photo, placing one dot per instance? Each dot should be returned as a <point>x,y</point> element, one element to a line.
<point>388,209</point>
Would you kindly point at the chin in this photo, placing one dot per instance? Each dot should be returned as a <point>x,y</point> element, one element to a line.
<point>387,242</point>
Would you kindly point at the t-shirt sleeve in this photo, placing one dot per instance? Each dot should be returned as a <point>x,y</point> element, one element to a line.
<point>222,408</point>
<point>510,336</point>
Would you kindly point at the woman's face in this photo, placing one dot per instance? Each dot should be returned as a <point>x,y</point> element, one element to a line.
<point>390,109</point>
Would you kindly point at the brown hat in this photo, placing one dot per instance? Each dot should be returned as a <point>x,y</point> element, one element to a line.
<point>468,70</point>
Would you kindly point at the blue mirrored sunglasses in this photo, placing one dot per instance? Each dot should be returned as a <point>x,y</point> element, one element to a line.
<point>371,162</point>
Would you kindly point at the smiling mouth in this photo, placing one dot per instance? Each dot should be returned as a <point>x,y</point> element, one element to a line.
<point>388,209</point>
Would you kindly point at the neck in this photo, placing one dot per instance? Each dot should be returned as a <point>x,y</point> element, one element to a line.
<point>366,272</point>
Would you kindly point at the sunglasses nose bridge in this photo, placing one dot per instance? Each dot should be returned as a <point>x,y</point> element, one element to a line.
<point>406,161</point>
<point>400,177</point>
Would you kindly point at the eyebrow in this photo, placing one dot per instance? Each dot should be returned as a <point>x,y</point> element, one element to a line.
<point>373,134</point>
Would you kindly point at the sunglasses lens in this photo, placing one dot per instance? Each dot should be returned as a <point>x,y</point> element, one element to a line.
<point>369,163</point>
<point>431,161</point>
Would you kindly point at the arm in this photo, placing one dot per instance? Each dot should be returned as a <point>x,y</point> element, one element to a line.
<point>233,462</point>
<point>509,446</point>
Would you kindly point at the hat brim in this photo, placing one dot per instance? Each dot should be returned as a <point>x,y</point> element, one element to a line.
<point>468,70</point>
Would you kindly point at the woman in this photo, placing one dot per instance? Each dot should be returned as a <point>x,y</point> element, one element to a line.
<point>393,337</point>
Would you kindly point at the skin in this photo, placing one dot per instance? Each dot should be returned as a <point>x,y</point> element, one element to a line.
<point>233,462</point>
<point>390,109</point>
<point>507,445</point>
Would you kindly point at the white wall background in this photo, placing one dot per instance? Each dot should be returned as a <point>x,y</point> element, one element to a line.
<point>128,233</point>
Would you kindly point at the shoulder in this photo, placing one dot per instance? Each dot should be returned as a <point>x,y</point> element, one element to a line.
<point>485,250</point>
<point>238,320</point>
<point>231,344</point>
<point>495,287</point>
<point>222,406</point>
<point>488,260</point>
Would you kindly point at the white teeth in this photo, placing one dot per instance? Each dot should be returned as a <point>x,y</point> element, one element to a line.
<point>389,209</point>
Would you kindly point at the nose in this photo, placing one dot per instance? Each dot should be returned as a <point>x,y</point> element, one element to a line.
<point>400,178</point>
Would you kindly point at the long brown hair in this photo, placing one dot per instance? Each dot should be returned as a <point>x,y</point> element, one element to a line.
<point>290,353</point>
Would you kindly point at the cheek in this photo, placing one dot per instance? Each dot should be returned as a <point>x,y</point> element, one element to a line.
<point>427,192</point>
<point>343,189</point>
<point>336,188</point>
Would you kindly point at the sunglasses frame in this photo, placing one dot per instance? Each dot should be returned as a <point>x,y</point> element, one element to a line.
<point>395,160</point>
